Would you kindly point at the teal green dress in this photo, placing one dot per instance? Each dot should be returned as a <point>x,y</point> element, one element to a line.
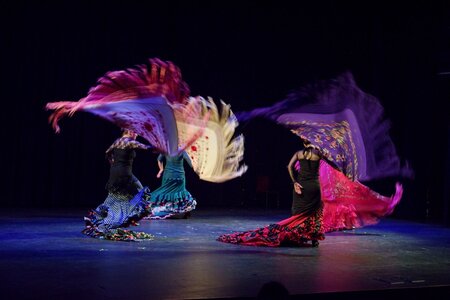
<point>172,199</point>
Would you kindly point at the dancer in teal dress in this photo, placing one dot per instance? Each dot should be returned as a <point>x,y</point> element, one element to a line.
<point>171,200</point>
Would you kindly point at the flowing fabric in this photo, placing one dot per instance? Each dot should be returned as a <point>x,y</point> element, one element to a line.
<point>347,125</point>
<point>156,79</point>
<point>350,131</point>
<point>296,230</point>
<point>154,102</point>
<point>153,119</point>
<point>143,99</point>
<point>349,204</point>
<point>216,155</point>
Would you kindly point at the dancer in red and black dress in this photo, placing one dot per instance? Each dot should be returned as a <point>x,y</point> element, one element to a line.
<point>307,216</point>
<point>348,133</point>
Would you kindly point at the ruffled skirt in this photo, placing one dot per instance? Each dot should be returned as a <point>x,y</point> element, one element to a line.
<point>171,200</point>
<point>110,218</point>
<point>296,230</point>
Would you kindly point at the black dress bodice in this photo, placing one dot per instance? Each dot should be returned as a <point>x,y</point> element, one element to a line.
<point>309,200</point>
<point>122,161</point>
<point>121,178</point>
<point>309,170</point>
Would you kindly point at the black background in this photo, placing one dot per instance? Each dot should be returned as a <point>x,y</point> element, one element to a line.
<point>248,53</point>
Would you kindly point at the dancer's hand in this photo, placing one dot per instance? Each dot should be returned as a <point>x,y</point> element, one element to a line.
<point>298,188</point>
<point>159,173</point>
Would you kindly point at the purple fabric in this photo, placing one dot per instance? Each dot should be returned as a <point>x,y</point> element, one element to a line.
<point>336,135</point>
<point>346,124</point>
<point>152,118</point>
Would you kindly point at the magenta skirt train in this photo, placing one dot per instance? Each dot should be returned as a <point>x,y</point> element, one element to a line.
<point>349,204</point>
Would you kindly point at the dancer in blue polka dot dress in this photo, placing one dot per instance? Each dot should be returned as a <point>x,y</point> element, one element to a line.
<point>127,200</point>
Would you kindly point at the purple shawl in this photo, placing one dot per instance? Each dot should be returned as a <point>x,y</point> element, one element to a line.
<point>347,125</point>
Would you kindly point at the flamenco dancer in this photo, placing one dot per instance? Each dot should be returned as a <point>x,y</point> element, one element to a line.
<point>172,200</point>
<point>307,210</point>
<point>127,200</point>
<point>344,133</point>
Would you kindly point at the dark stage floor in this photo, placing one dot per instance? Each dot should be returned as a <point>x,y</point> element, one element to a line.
<point>44,256</point>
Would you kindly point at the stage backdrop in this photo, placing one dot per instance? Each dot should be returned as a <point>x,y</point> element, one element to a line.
<point>247,53</point>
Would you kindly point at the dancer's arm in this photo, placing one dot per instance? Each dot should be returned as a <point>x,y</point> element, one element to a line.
<point>291,170</point>
<point>291,166</point>
<point>137,145</point>
<point>109,152</point>
<point>187,158</point>
<point>160,165</point>
<point>109,155</point>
